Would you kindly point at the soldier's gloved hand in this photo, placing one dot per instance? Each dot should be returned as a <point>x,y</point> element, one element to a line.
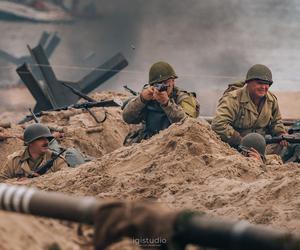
<point>141,221</point>
<point>147,93</point>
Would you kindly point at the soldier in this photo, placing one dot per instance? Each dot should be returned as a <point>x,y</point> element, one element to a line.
<point>253,145</point>
<point>249,107</point>
<point>36,153</point>
<point>159,104</point>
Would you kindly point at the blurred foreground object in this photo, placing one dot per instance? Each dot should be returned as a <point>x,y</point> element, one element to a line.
<point>145,222</point>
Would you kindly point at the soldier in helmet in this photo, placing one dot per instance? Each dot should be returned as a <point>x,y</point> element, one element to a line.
<point>159,104</point>
<point>253,145</point>
<point>247,107</point>
<point>36,153</point>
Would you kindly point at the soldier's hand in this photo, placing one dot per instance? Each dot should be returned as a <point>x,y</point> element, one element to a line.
<point>147,93</point>
<point>58,135</point>
<point>161,97</point>
<point>284,143</point>
<point>254,154</point>
<point>136,220</point>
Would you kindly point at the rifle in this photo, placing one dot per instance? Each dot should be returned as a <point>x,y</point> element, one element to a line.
<point>44,168</point>
<point>162,86</point>
<point>286,122</point>
<point>84,105</point>
<point>293,138</point>
<point>131,91</point>
<point>189,227</point>
<point>295,128</point>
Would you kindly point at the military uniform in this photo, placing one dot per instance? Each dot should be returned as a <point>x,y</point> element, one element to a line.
<point>155,115</point>
<point>20,164</point>
<point>237,116</point>
<point>158,117</point>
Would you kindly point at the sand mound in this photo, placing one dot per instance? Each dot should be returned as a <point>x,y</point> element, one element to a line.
<point>81,130</point>
<point>187,166</point>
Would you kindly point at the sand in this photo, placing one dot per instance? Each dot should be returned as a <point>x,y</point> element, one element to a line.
<point>185,166</point>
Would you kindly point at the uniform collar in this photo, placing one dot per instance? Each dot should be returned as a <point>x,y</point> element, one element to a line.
<point>25,156</point>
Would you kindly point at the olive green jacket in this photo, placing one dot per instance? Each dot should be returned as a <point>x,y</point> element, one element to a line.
<point>237,116</point>
<point>17,164</point>
<point>177,108</point>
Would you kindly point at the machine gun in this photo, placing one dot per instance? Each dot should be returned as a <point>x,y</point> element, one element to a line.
<point>292,138</point>
<point>189,227</point>
<point>83,105</point>
<point>87,98</point>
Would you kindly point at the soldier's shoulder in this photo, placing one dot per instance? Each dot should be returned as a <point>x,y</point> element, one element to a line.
<point>17,154</point>
<point>234,88</point>
<point>182,94</point>
<point>233,95</point>
<point>271,96</point>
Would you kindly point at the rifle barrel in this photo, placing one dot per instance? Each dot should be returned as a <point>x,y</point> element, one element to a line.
<point>79,93</point>
<point>131,91</point>
<point>277,139</point>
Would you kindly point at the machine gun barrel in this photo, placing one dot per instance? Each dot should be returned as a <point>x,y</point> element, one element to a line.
<point>206,231</point>
<point>189,227</point>
<point>78,92</point>
<point>47,204</point>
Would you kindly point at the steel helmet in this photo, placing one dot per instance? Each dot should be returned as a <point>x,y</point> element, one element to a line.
<point>161,71</point>
<point>259,72</point>
<point>256,141</point>
<point>36,131</point>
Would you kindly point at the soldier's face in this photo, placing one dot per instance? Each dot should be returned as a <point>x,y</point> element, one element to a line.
<point>39,146</point>
<point>170,82</point>
<point>258,89</point>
